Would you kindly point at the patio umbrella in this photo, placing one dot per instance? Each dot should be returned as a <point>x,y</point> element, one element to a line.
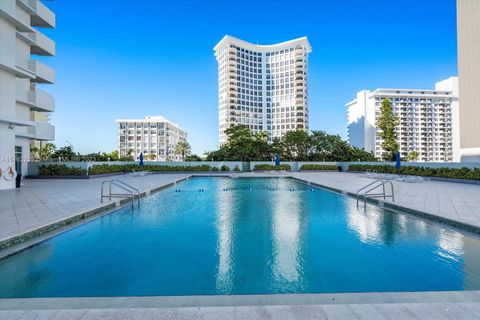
<point>141,159</point>
<point>277,160</point>
<point>398,160</point>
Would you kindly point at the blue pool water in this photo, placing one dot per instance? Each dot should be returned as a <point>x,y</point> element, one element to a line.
<point>245,240</point>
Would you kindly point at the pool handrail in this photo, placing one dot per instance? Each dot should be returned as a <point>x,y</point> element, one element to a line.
<point>132,191</point>
<point>374,185</point>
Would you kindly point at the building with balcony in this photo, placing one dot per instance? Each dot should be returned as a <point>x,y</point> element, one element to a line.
<point>427,121</point>
<point>155,136</point>
<point>24,105</point>
<point>264,87</point>
<point>468,38</point>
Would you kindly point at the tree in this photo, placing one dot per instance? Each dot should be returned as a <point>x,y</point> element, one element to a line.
<point>183,149</point>
<point>34,152</point>
<point>386,123</point>
<point>64,153</point>
<point>193,157</point>
<point>243,145</point>
<point>413,156</point>
<point>294,146</point>
<point>48,149</point>
<point>114,155</point>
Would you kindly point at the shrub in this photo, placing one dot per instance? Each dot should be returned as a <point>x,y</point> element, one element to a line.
<point>318,167</point>
<point>214,169</point>
<point>60,170</point>
<point>237,169</point>
<point>114,168</point>
<point>265,167</point>
<point>225,168</point>
<point>454,173</point>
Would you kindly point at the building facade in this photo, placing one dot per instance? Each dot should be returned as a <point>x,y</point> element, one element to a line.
<point>427,121</point>
<point>24,105</point>
<point>468,37</point>
<point>155,137</point>
<point>264,87</point>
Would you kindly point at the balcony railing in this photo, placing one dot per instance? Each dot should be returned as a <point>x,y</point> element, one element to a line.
<point>43,73</point>
<point>40,43</point>
<point>38,100</point>
<point>43,16</point>
<point>44,131</point>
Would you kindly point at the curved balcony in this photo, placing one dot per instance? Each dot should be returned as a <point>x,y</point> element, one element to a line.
<point>299,62</point>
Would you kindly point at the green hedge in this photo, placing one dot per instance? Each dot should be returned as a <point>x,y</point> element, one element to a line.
<point>460,173</point>
<point>60,170</point>
<point>225,168</point>
<point>264,167</point>
<point>107,168</point>
<point>319,167</point>
<point>63,170</point>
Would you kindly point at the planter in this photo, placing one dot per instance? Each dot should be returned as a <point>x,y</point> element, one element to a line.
<point>57,177</point>
<point>432,178</point>
<point>467,181</point>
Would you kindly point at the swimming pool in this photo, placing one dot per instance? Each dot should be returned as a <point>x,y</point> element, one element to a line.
<point>245,236</point>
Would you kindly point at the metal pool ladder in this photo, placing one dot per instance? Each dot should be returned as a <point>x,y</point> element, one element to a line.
<point>373,186</point>
<point>132,191</point>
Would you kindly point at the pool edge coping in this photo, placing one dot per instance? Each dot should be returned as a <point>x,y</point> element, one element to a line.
<point>239,300</point>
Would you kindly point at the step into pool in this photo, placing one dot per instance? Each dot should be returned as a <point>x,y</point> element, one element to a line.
<point>223,236</point>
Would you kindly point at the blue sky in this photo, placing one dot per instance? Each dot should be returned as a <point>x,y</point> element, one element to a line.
<point>129,59</point>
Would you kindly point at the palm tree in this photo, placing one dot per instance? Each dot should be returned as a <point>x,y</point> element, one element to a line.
<point>183,148</point>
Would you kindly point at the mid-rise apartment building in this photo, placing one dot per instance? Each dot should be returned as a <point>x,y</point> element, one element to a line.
<point>264,87</point>
<point>155,136</point>
<point>427,121</point>
<point>468,37</point>
<point>24,105</point>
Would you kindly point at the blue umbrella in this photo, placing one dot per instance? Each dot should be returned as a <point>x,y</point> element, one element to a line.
<point>277,160</point>
<point>141,159</point>
<point>398,160</point>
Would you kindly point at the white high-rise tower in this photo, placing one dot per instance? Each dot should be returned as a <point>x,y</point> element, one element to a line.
<point>264,87</point>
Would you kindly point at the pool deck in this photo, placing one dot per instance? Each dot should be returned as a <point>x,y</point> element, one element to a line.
<point>42,203</point>
<point>370,306</point>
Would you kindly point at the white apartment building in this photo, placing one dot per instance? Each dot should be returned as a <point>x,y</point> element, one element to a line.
<point>24,106</point>
<point>468,44</point>
<point>155,136</point>
<point>264,87</point>
<point>428,121</point>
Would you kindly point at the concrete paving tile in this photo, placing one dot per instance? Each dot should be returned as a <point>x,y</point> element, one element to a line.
<point>395,312</point>
<point>459,310</point>
<point>426,311</point>
<point>53,314</point>
<point>339,312</point>
<point>11,314</point>
<point>366,312</point>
